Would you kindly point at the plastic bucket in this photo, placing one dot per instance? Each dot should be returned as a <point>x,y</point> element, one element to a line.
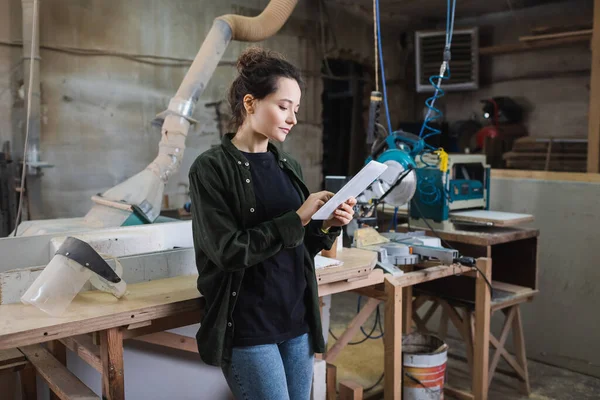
<point>423,367</point>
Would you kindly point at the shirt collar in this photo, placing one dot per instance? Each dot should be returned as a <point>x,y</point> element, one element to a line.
<point>237,154</point>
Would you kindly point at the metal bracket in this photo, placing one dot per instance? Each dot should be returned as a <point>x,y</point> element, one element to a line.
<point>83,254</point>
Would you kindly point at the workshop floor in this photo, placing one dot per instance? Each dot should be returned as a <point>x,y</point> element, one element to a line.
<point>363,363</point>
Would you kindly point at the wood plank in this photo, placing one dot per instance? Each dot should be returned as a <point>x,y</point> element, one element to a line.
<point>519,348</point>
<point>497,218</point>
<point>546,156</point>
<point>22,324</point>
<point>429,274</point>
<point>507,287</point>
<point>375,277</point>
<point>593,161</point>
<point>331,378</point>
<point>407,305</point>
<point>545,175</point>
<point>357,262</point>
<point>84,347</point>
<point>163,324</point>
<point>507,356</point>
<point>59,351</point>
<point>111,354</point>
<point>491,236</point>
<point>503,336</point>
<point>482,330</point>
<point>582,32</point>
<point>60,380</point>
<point>28,383</point>
<point>372,291</point>
<point>393,341</point>
<point>10,356</point>
<point>517,299</point>
<point>14,367</point>
<point>525,46</point>
<point>352,329</point>
<point>350,390</point>
<point>139,325</point>
<point>171,340</point>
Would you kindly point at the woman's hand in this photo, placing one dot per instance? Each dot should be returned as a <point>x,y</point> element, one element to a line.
<point>312,205</point>
<point>343,215</point>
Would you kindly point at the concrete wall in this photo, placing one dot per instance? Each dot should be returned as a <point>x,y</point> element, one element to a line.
<point>562,323</point>
<point>97,109</point>
<point>11,66</point>
<point>553,83</point>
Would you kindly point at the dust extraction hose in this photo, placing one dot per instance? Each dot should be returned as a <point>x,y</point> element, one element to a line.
<point>146,188</point>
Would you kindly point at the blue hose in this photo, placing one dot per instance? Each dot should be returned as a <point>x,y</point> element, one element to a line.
<point>387,110</point>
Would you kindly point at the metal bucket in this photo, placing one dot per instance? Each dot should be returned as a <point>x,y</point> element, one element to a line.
<point>424,367</point>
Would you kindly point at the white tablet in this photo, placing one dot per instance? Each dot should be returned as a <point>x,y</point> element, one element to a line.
<point>356,186</point>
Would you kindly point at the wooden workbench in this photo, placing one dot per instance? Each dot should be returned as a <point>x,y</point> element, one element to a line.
<point>513,254</point>
<point>164,304</point>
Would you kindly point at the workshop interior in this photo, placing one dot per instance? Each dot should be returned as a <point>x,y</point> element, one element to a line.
<point>468,132</point>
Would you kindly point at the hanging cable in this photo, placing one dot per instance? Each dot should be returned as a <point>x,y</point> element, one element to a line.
<point>377,316</point>
<point>27,124</point>
<point>387,110</point>
<point>375,45</point>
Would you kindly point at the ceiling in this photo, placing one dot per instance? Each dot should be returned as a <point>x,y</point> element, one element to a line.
<point>430,11</point>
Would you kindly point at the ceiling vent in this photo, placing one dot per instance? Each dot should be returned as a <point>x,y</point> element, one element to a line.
<point>464,65</point>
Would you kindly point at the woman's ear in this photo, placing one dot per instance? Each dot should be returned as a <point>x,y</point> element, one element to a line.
<point>249,102</point>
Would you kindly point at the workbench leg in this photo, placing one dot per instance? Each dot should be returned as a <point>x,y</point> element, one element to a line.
<point>482,330</point>
<point>59,351</point>
<point>352,329</point>
<point>407,304</point>
<point>111,352</point>
<point>393,341</point>
<point>28,378</point>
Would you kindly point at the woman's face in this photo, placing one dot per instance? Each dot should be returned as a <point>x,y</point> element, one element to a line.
<point>275,115</point>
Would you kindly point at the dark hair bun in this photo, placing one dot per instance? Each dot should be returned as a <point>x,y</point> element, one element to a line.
<point>256,56</point>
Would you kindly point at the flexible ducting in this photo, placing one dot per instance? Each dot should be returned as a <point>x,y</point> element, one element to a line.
<point>146,188</point>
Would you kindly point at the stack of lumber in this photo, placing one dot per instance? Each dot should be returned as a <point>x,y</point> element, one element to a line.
<point>548,154</point>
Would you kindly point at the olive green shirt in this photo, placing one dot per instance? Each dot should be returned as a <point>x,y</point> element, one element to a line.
<point>228,239</point>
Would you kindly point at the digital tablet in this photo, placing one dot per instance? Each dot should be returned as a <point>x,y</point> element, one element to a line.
<point>356,186</point>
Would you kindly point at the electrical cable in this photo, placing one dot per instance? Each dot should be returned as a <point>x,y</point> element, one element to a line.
<point>377,316</point>
<point>27,124</point>
<point>367,335</point>
<point>375,384</point>
<point>468,261</point>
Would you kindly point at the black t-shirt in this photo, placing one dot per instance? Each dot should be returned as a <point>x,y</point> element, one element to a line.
<point>270,307</point>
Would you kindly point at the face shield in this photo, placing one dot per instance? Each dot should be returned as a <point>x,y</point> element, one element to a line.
<point>74,264</point>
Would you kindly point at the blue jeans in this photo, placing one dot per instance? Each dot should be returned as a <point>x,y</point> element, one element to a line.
<point>279,371</point>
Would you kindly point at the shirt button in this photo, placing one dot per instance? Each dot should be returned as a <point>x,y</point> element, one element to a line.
<point>229,324</point>
<point>252,210</point>
<point>239,162</point>
<point>233,294</point>
<point>285,159</point>
<point>247,164</point>
<point>247,180</point>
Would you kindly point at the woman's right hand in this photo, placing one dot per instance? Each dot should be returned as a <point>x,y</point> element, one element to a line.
<point>312,205</point>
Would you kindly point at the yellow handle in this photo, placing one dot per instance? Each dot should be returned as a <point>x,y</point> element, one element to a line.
<point>443,156</point>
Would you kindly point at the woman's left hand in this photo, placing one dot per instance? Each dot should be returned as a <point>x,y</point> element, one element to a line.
<point>343,215</point>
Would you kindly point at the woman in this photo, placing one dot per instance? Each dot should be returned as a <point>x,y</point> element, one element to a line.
<point>255,241</point>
